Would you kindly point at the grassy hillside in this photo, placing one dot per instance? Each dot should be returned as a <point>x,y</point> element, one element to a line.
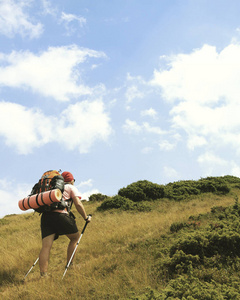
<point>180,247</point>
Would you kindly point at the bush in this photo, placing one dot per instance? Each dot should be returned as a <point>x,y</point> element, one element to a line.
<point>231,179</point>
<point>180,190</point>
<point>152,191</point>
<point>132,192</point>
<point>142,190</point>
<point>175,227</point>
<point>142,206</point>
<point>97,197</point>
<point>185,188</point>
<point>213,185</point>
<point>190,243</point>
<point>182,263</point>
<point>122,203</point>
<point>203,263</point>
<point>116,202</point>
<point>221,238</point>
<point>187,287</point>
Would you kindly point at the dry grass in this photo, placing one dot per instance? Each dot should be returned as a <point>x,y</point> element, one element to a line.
<point>105,267</point>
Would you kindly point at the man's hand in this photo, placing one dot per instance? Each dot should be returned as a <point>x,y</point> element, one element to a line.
<point>88,218</point>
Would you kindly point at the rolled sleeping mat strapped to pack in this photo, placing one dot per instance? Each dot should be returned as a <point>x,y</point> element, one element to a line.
<point>44,198</point>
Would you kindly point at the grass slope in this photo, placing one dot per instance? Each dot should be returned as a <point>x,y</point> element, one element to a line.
<point>160,254</point>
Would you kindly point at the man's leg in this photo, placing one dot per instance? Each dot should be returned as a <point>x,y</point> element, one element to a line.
<point>45,253</point>
<point>74,237</point>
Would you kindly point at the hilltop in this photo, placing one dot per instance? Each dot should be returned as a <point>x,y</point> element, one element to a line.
<point>177,241</point>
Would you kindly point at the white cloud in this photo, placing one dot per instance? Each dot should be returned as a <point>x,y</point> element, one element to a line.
<point>211,158</point>
<point>166,145</point>
<point>87,183</point>
<point>147,150</point>
<point>203,76</point>
<point>82,124</point>
<point>53,73</point>
<point>48,9</point>
<point>153,129</point>
<point>196,141</point>
<point>15,20</point>
<point>10,194</point>
<point>86,195</point>
<point>203,88</point>
<point>131,126</point>
<point>212,164</point>
<point>24,128</point>
<point>87,192</point>
<point>79,126</point>
<point>72,22</point>
<point>71,17</point>
<point>132,93</point>
<point>149,112</point>
<point>235,170</point>
<point>170,172</point>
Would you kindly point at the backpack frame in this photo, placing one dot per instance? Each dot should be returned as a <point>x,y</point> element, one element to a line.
<point>50,180</point>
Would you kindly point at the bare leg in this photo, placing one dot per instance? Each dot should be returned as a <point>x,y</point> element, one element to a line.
<point>74,237</point>
<point>45,253</point>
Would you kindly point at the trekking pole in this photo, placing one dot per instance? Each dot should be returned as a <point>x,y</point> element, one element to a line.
<point>31,268</point>
<point>68,264</point>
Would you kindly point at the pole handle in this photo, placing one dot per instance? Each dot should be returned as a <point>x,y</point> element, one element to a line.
<point>86,224</point>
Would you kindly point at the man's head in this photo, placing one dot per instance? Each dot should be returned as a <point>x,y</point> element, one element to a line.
<point>68,177</point>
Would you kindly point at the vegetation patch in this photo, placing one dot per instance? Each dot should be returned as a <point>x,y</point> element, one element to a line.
<point>156,247</point>
<point>122,203</point>
<point>144,190</point>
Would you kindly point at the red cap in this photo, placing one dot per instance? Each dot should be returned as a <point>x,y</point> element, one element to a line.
<point>68,177</point>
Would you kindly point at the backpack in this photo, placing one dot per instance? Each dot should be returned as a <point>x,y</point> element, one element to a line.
<point>50,180</point>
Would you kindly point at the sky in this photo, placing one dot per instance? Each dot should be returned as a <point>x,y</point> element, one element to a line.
<point>117,91</point>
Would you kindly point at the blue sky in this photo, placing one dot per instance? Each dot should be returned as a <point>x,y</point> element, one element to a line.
<point>116,92</point>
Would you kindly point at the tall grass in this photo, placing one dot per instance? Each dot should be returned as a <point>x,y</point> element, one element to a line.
<point>105,265</point>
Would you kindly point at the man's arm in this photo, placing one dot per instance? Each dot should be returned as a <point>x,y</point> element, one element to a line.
<point>80,208</point>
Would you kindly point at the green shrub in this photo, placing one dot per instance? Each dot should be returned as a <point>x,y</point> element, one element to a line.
<point>132,192</point>
<point>97,197</point>
<point>175,227</point>
<point>122,203</point>
<point>226,243</point>
<point>183,189</point>
<point>217,185</point>
<point>181,262</point>
<point>116,202</point>
<point>190,243</point>
<point>142,190</point>
<point>180,190</point>
<point>152,191</point>
<point>191,288</point>
<point>199,264</point>
<point>231,179</point>
<point>143,206</point>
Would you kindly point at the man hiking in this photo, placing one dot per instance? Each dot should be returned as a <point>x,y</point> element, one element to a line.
<point>61,222</point>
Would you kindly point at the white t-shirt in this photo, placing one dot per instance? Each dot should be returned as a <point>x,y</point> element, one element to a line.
<point>70,191</point>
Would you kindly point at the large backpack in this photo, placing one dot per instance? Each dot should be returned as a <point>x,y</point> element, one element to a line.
<point>50,180</point>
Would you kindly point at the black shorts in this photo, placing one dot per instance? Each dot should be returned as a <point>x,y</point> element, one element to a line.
<point>58,223</point>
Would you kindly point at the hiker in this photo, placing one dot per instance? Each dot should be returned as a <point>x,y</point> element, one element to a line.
<point>61,222</point>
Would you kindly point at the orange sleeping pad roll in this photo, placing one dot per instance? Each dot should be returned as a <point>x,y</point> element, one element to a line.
<point>45,198</point>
